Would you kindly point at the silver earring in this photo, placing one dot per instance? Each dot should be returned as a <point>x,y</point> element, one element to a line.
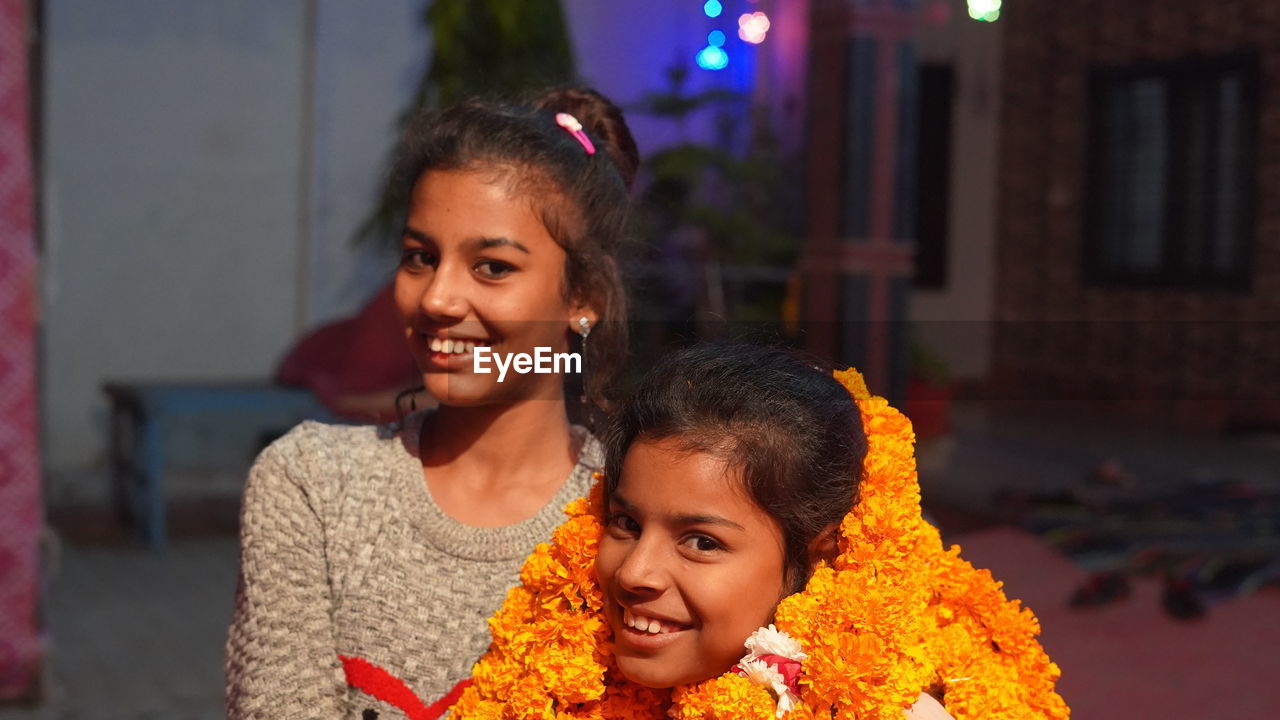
<point>584,329</point>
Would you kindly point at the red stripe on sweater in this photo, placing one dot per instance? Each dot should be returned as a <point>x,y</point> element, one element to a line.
<point>376,682</point>
<point>439,707</point>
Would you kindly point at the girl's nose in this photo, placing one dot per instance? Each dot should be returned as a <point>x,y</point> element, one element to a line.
<point>643,571</point>
<point>443,298</point>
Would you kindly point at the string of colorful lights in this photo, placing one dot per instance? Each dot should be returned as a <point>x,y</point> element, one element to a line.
<point>753,28</point>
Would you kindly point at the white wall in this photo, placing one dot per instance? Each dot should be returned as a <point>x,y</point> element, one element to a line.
<point>171,136</point>
<point>367,65</point>
<point>175,136</point>
<point>955,321</point>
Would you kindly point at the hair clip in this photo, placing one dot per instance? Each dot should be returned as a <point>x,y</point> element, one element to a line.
<point>570,123</point>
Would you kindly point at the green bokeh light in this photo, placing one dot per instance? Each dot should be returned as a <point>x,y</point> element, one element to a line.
<point>984,10</point>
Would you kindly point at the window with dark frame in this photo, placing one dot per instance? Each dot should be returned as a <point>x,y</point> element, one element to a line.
<point>937,91</point>
<point>1171,176</point>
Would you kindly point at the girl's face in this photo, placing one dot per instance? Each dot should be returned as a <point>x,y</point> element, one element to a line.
<point>478,268</point>
<point>690,566</point>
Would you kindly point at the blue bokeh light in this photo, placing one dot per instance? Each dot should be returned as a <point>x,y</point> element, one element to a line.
<point>715,38</point>
<point>713,8</point>
<point>712,58</point>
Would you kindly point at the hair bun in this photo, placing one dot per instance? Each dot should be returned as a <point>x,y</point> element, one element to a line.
<point>602,119</point>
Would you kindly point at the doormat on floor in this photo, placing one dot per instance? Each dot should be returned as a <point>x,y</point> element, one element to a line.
<point>1204,540</point>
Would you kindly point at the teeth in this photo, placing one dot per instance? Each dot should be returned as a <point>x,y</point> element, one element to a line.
<point>451,346</point>
<point>644,624</point>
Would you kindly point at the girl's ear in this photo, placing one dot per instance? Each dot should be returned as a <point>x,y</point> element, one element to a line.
<point>582,309</point>
<point>588,304</point>
<point>826,546</point>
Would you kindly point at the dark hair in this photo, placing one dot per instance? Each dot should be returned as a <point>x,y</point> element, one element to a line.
<point>790,428</point>
<point>584,198</point>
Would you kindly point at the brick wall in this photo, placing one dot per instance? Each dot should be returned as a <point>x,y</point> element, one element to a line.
<point>1190,358</point>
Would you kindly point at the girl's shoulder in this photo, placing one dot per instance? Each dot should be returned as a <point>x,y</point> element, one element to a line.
<point>590,450</point>
<point>318,454</point>
<point>312,440</point>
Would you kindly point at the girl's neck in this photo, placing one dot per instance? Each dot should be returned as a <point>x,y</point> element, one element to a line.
<point>496,441</point>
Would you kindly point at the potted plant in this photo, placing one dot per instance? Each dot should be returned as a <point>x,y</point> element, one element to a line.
<point>929,391</point>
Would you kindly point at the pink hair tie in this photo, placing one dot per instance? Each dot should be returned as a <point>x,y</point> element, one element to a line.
<point>570,123</point>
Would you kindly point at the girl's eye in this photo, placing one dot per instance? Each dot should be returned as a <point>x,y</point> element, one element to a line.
<point>494,269</point>
<point>703,543</point>
<point>414,259</point>
<point>622,522</point>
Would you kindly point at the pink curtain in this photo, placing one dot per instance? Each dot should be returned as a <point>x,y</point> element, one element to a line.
<point>20,513</point>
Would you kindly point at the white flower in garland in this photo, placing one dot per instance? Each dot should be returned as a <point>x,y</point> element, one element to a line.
<point>772,641</point>
<point>773,661</point>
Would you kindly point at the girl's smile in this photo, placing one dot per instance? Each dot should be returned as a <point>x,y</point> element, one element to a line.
<point>689,565</point>
<point>658,635</point>
<point>642,621</point>
<point>450,353</point>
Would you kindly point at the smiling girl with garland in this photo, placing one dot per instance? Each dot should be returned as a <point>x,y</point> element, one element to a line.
<point>756,550</point>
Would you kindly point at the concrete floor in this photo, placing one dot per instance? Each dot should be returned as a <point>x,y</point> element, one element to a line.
<point>135,634</point>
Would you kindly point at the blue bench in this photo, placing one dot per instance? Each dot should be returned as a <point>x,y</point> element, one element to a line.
<point>142,413</point>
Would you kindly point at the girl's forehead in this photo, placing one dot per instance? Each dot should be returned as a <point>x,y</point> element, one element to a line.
<point>435,183</point>
<point>670,472</point>
<point>520,182</point>
<point>461,200</point>
<point>526,189</point>
<point>664,484</point>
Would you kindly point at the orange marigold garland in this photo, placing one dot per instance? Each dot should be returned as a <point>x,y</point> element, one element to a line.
<point>894,615</point>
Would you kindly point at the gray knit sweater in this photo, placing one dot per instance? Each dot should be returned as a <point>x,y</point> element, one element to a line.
<point>344,553</point>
